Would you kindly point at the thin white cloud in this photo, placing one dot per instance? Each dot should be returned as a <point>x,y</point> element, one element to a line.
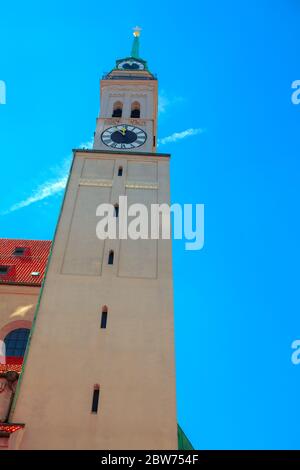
<point>180,135</point>
<point>87,145</point>
<point>43,191</point>
<point>164,101</point>
<point>50,187</point>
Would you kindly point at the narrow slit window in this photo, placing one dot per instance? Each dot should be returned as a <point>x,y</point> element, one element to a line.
<point>104,317</point>
<point>95,402</point>
<point>117,210</point>
<point>120,171</point>
<point>111,257</point>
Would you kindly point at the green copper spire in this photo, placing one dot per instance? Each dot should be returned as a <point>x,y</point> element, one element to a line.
<point>136,42</point>
<point>134,63</point>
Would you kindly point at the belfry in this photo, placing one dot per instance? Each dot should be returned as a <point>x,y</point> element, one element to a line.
<point>98,372</point>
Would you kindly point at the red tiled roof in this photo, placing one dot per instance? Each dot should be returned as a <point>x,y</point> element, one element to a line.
<point>9,428</point>
<point>11,363</point>
<point>11,367</point>
<point>20,268</point>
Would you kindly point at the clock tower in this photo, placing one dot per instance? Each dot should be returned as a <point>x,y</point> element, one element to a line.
<point>99,370</point>
<point>128,115</point>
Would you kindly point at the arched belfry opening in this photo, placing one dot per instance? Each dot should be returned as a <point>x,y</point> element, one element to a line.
<point>117,109</point>
<point>135,110</point>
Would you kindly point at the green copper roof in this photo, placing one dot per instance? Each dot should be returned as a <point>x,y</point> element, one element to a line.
<point>183,441</point>
<point>135,52</point>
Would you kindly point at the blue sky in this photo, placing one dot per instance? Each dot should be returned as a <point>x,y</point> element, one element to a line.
<point>225,67</point>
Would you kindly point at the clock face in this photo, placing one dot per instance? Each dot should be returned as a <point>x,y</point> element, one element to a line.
<point>124,137</point>
<point>130,65</point>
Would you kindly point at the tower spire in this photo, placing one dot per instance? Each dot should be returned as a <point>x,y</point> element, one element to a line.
<point>136,42</point>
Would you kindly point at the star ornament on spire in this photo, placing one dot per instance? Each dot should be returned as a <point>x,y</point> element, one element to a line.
<point>137,31</point>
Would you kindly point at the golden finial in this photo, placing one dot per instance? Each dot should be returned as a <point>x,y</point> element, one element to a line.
<point>137,31</point>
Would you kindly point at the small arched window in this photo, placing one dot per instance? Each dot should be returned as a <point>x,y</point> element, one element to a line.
<point>117,109</point>
<point>95,400</point>
<point>16,342</point>
<point>111,257</point>
<point>135,110</point>
<point>116,210</point>
<point>120,171</point>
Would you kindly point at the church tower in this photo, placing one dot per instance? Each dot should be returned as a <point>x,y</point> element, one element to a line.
<point>99,368</point>
<point>128,117</point>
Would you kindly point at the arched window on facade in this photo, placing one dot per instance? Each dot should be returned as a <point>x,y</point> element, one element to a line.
<point>111,257</point>
<point>117,109</point>
<point>135,110</point>
<point>16,341</point>
<point>116,212</point>
<point>104,317</point>
<point>95,400</point>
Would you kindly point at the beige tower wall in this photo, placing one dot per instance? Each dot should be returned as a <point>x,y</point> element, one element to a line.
<point>133,358</point>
